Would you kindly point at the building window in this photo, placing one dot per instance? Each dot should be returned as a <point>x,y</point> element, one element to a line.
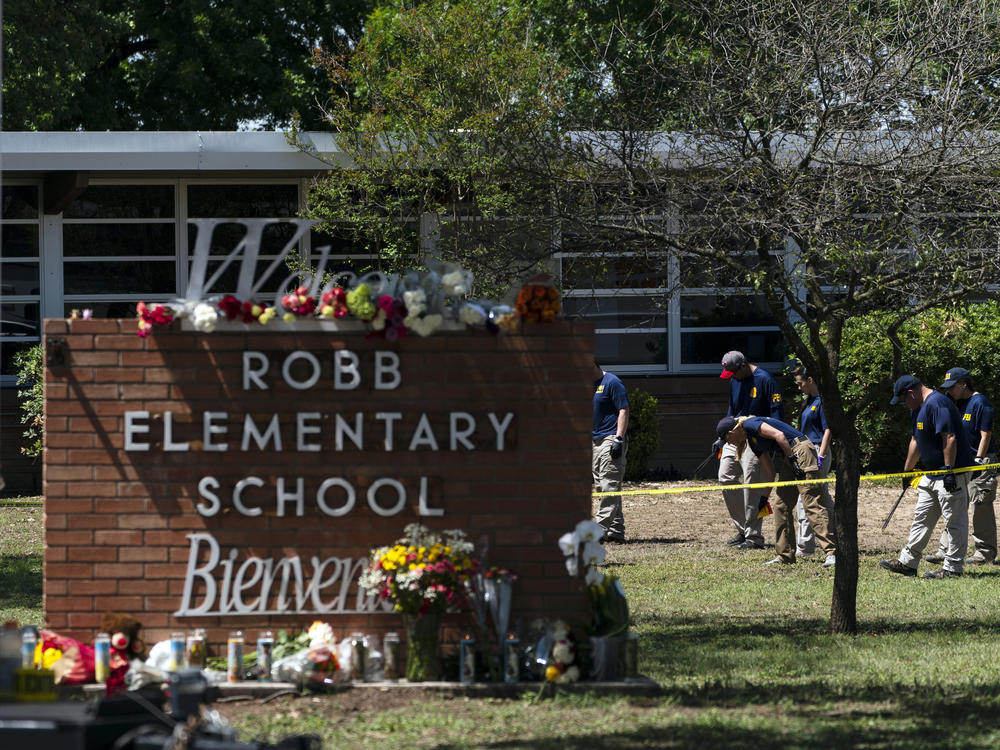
<point>20,275</point>
<point>119,246</point>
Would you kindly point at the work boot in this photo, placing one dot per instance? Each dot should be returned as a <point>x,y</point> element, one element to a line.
<point>942,573</point>
<point>750,545</point>
<point>937,557</point>
<point>895,566</point>
<point>738,539</point>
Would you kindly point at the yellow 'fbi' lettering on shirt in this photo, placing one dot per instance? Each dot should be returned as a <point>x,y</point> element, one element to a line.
<point>812,408</point>
<point>967,417</point>
<point>776,398</point>
<point>600,389</point>
<point>753,392</point>
<point>920,425</point>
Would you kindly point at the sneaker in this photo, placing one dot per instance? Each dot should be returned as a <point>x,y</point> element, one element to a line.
<point>937,557</point>
<point>830,561</point>
<point>942,573</point>
<point>750,545</point>
<point>777,561</point>
<point>738,539</point>
<point>977,560</point>
<point>895,566</point>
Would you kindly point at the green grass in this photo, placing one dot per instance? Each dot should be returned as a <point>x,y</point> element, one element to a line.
<point>741,651</point>
<point>744,658</point>
<point>21,540</point>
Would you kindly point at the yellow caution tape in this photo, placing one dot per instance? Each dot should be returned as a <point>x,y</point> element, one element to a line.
<point>795,483</point>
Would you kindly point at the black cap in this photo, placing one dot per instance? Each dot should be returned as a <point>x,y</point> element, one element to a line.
<point>954,375</point>
<point>725,426</point>
<point>903,384</point>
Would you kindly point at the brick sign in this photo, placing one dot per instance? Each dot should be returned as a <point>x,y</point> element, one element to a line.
<point>239,479</point>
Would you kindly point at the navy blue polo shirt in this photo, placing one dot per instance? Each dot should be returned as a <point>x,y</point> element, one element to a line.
<point>760,445</point>
<point>609,399</point>
<point>813,422</point>
<point>757,396</point>
<point>978,417</point>
<point>938,414</point>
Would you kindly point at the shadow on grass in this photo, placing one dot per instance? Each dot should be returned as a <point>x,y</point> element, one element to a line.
<point>21,581</point>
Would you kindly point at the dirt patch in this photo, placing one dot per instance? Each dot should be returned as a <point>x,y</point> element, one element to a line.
<point>698,519</point>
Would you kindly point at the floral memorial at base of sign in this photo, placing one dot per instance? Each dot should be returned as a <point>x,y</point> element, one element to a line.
<point>423,575</point>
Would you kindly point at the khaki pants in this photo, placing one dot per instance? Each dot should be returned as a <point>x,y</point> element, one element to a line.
<point>788,496</point>
<point>742,504</point>
<point>608,473</point>
<point>982,493</point>
<point>805,542</point>
<point>934,502</point>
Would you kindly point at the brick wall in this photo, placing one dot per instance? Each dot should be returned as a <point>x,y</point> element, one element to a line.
<point>117,521</point>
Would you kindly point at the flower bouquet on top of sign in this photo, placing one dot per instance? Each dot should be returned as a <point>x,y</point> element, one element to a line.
<point>387,305</point>
<point>423,574</point>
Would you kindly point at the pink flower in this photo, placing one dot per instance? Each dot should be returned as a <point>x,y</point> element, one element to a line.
<point>385,302</point>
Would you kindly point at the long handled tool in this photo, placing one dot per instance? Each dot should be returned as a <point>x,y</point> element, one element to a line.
<point>898,500</point>
<point>702,465</point>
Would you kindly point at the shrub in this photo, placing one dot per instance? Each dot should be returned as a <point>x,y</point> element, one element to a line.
<point>963,335</point>
<point>643,433</point>
<point>31,374</point>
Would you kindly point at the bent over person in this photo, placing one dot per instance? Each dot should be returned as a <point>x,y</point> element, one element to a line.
<point>791,455</point>
<point>610,446</point>
<point>752,392</point>
<point>938,440</point>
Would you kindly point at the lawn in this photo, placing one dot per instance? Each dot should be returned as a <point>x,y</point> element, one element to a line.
<point>741,652</point>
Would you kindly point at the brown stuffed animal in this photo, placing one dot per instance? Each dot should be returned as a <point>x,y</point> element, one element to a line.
<point>125,644</point>
<point>124,632</point>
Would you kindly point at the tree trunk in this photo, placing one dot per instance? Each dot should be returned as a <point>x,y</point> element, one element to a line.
<point>844,609</point>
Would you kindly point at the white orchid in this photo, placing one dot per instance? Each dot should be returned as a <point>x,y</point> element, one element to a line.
<point>568,543</point>
<point>589,531</point>
<point>593,554</point>
<point>594,576</point>
<point>571,566</point>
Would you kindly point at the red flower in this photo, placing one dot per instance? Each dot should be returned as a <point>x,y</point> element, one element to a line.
<point>230,306</point>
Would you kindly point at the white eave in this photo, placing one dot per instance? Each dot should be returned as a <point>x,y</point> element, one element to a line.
<point>163,151</point>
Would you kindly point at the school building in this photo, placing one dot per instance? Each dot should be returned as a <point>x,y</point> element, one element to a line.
<point>100,221</point>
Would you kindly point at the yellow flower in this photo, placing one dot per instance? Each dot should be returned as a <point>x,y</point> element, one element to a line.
<point>288,317</point>
<point>552,674</point>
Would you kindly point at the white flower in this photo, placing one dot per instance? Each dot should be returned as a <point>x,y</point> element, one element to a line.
<point>378,322</point>
<point>472,315</point>
<point>571,567</point>
<point>320,634</point>
<point>593,577</point>
<point>454,283</point>
<point>589,531</point>
<point>570,675</point>
<point>593,554</point>
<point>415,301</point>
<point>426,325</point>
<point>205,317</point>
<point>569,542</point>
<point>562,653</point>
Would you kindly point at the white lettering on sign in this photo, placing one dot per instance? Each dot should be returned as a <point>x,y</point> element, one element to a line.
<point>303,370</point>
<point>385,496</point>
<point>256,586</point>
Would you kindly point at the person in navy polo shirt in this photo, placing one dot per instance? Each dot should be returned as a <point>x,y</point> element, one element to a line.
<point>752,392</point>
<point>610,446</point>
<point>784,451</point>
<point>812,423</point>
<point>977,419</point>
<point>940,443</point>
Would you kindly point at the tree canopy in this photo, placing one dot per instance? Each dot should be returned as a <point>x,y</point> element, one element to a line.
<point>181,65</point>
